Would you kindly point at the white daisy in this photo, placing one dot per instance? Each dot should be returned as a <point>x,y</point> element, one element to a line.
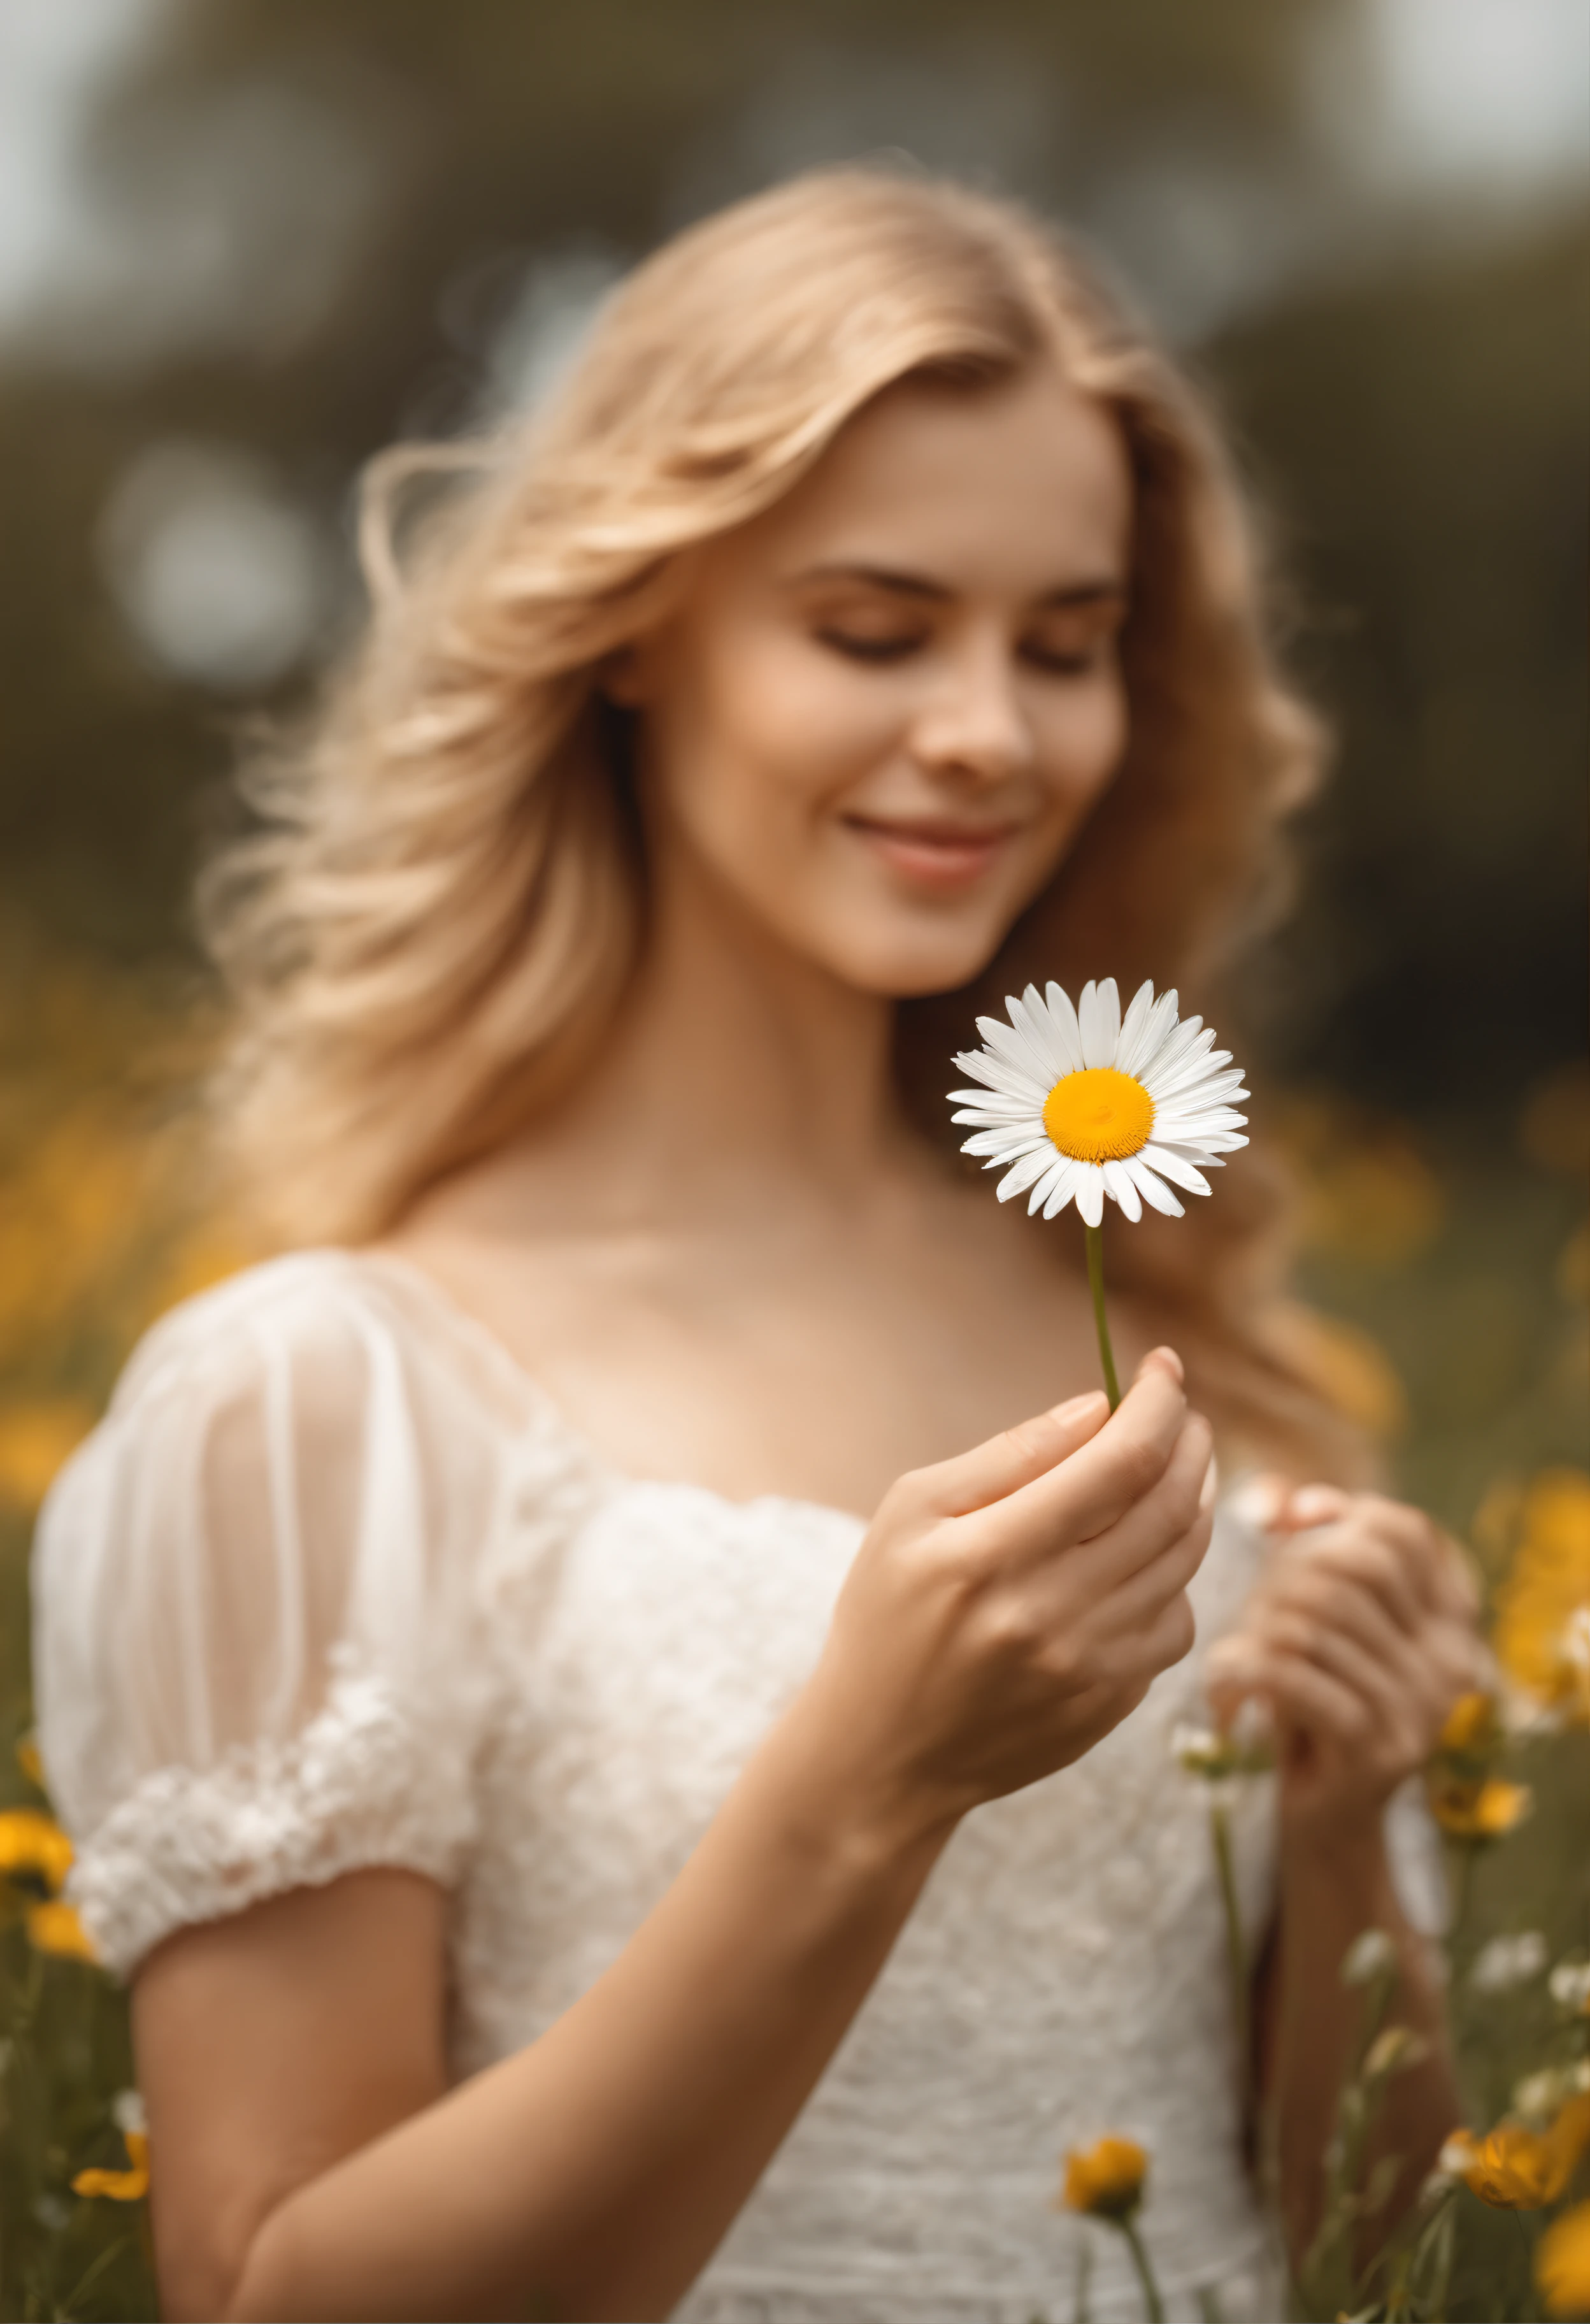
<point>1076,1103</point>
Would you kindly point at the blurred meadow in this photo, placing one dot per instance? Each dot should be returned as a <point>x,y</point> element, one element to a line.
<point>243,246</point>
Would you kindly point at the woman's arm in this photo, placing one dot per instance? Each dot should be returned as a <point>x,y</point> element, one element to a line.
<point>1005,1611</point>
<point>1360,1639</point>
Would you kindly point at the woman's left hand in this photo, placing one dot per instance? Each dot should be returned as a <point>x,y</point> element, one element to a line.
<point>1359,1638</point>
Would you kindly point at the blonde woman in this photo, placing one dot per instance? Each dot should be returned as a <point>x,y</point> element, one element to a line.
<point>614,1702</point>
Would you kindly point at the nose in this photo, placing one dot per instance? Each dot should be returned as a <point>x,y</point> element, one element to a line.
<point>974,723</point>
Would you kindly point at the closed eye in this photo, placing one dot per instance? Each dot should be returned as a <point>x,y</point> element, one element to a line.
<point>868,649</point>
<point>1068,662</point>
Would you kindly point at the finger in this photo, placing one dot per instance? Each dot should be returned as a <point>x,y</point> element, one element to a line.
<point>1260,1497</point>
<point>1425,1668</point>
<point>1152,1527</point>
<point>1312,1698</point>
<point>1335,1651</point>
<point>1123,1460</point>
<point>1415,1537</point>
<point>1350,1553</point>
<point>1306,1506</point>
<point>1233,1673</point>
<point>1334,1597</point>
<point>1126,1583</point>
<point>991,1472</point>
<point>1455,1664</point>
<point>1170,1635</point>
<point>1138,1601</point>
<point>1436,1564</point>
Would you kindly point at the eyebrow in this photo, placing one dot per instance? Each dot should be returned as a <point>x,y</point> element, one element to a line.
<point>1105,589</point>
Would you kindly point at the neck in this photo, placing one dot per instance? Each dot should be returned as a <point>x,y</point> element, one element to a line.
<point>739,1067</point>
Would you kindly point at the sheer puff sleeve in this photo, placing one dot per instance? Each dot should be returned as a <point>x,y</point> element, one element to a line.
<point>256,1659</point>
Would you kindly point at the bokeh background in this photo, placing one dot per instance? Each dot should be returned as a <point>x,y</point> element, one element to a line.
<point>246,242</point>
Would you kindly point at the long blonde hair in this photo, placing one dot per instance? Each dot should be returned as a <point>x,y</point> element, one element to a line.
<point>444,900</point>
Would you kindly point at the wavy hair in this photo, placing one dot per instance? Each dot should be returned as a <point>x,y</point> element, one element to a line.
<point>443,898</point>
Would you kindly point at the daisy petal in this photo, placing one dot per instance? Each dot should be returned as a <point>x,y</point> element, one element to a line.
<point>1151,1189</point>
<point>1134,1025</point>
<point>1031,1020</point>
<point>1061,1190</point>
<point>1188,1064</point>
<point>1012,1051</point>
<point>1013,1125</point>
<point>1173,1167</point>
<point>1099,1013</point>
<point>992,1071</point>
<point>1118,1182</point>
<point>993,1107</point>
<point>1196,1130</point>
<point>1201,1074</point>
<point>1047,1184</point>
<point>1033,1165</point>
<point>1067,1031</point>
<point>1159,1028</point>
<point>1003,1145</point>
<point>1172,1054</point>
<point>1090,1192</point>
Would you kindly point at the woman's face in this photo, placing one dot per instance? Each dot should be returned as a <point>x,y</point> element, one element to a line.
<point>883,709</point>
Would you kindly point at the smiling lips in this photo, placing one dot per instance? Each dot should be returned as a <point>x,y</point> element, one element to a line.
<point>934,850</point>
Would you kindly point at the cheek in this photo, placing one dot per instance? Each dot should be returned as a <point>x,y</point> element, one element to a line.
<point>1085,737</point>
<point>1081,740</point>
<point>766,736</point>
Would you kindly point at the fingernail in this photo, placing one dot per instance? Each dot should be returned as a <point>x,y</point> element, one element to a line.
<point>1169,1358</point>
<point>1259,1502</point>
<point>1314,1504</point>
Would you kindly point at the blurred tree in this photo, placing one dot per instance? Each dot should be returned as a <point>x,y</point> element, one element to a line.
<point>327,215</point>
<point>1426,437</point>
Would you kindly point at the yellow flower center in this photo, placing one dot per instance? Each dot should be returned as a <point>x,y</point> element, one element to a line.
<point>1099,1115</point>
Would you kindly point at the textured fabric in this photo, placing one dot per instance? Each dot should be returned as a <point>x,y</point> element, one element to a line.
<point>334,1585</point>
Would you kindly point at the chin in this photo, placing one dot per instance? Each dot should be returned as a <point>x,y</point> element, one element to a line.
<point>919,962</point>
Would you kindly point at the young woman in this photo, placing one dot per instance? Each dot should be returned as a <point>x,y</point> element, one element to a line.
<point>615,1705</point>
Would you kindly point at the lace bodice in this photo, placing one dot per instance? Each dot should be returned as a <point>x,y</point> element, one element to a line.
<point>335,1585</point>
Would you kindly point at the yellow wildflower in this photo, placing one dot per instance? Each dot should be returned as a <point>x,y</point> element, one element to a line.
<point>55,1928</point>
<point>120,2186</point>
<point>1104,2181</point>
<point>33,1842</point>
<point>1542,1628</point>
<point>1562,2263</point>
<point>1517,2169</point>
<point>1478,1811</point>
<point>1470,1728</point>
<point>35,1438</point>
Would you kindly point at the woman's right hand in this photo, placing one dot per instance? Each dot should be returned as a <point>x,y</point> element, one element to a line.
<point>1009,1607</point>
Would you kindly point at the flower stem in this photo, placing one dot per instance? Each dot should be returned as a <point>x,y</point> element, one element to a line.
<point>1153,2306</point>
<point>1236,1952</point>
<point>1096,1284</point>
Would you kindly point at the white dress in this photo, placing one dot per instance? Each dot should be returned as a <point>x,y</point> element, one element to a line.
<point>333,1585</point>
